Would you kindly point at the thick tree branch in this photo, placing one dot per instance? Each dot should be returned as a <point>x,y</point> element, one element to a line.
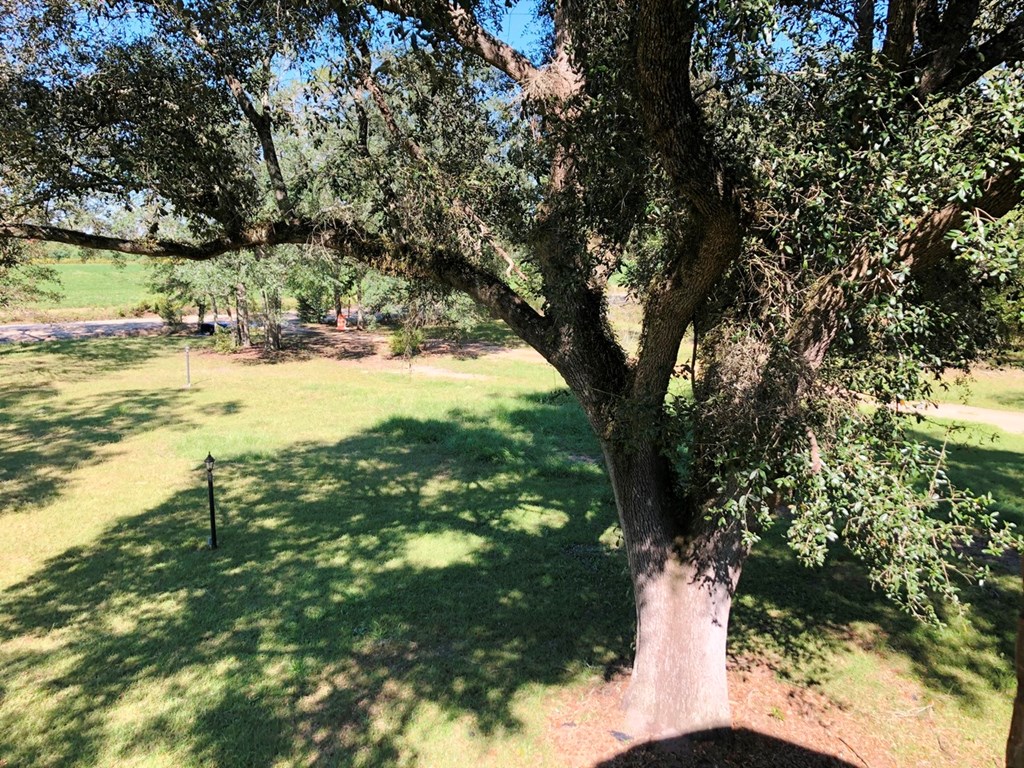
<point>363,121</point>
<point>899,32</point>
<point>259,119</point>
<point>253,237</point>
<point>927,245</point>
<point>865,17</point>
<point>401,260</point>
<point>457,23</point>
<point>943,41</point>
<point>583,347</point>
<point>1005,47</point>
<point>678,130</point>
<point>671,116</point>
<point>671,307</point>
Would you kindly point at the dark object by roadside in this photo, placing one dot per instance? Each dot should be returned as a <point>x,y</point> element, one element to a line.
<point>206,329</point>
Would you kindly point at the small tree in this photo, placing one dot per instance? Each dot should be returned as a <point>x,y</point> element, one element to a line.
<point>21,280</point>
<point>184,283</point>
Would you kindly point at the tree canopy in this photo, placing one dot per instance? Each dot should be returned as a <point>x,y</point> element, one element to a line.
<point>823,193</point>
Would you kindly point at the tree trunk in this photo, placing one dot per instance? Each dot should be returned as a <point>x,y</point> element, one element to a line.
<point>272,320</point>
<point>1015,744</point>
<point>242,317</point>
<point>200,314</point>
<point>683,582</point>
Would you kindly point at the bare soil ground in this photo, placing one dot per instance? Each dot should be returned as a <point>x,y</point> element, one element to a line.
<point>775,725</point>
<point>371,349</point>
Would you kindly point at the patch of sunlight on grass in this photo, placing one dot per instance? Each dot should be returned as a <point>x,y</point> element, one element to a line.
<point>122,615</point>
<point>535,519</point>
<point>881,686</point>
<point>440,550</point>
<point>449,741</point>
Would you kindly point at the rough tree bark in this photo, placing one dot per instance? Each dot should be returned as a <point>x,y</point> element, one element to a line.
<point>683,578</point>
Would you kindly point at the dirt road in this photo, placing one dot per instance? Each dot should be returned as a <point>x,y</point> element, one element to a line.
<point>93,329</point>
<point>1008,421</point>
<point>86,329</point>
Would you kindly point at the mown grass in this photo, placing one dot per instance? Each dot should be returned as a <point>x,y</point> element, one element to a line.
<point>410,568</point>
<point>406,567</point>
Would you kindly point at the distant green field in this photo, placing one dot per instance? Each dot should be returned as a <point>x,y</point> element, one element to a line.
<point>97,284</point>
<point>95,290</point>
<point>1001,389</point>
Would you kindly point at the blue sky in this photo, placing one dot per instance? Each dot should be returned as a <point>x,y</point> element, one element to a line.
<point>521,29</point>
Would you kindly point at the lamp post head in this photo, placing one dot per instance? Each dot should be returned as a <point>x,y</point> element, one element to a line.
<point>209,462</point>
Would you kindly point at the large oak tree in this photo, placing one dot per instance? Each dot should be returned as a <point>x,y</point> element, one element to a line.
<point>817,190</point>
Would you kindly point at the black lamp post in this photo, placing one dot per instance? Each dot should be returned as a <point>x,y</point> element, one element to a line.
<point>209,486</point>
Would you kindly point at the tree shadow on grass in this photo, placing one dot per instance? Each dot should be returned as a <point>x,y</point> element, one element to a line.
<point>414,579</point>
<point>310,341</point>
<point>43,440</point>
<point>417,577</point>
<point>990,469</point>
<point>43,435</point>
<point>739,748</point>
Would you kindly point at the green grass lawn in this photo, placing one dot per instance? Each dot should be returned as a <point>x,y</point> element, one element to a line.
<point>410,569</point>
<point>406,567</point>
